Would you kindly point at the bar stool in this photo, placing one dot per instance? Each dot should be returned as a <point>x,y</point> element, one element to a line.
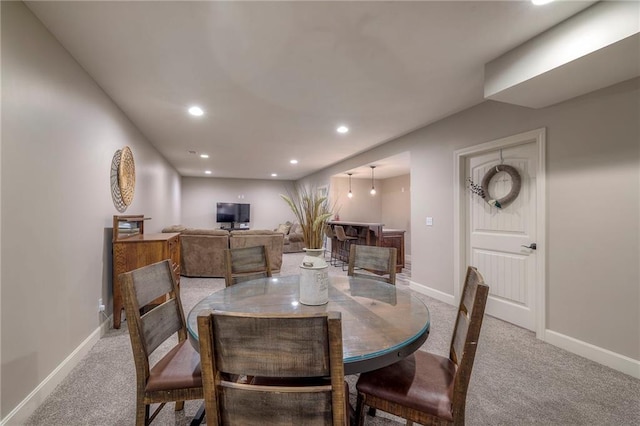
<point>333,253</point>
<point>344,246</point>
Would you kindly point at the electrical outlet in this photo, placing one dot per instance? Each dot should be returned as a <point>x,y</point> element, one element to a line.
<point>101,307</point>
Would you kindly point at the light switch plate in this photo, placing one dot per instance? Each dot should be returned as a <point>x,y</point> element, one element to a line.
<point>429,221</point>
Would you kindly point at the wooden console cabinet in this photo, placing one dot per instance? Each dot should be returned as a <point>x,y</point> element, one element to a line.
<point>132,249</point>
<point>395,238</point>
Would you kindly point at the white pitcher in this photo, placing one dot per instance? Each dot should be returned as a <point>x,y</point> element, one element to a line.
<point>314,281</point>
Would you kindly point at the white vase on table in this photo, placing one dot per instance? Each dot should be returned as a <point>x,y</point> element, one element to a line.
<point>316,252</point>
<point>314,280</point>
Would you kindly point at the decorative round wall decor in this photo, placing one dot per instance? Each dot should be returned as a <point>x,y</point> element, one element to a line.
<point>115,186</point>
<point>123,178</point>
<point>127,176</point>
<point>516,183</point>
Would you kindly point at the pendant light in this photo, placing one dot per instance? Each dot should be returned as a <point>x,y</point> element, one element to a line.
<point>373,188</point>
<point>350,194</point>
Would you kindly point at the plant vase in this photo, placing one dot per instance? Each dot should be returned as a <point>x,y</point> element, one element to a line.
<point>315,252</point>
<point>314,281</point>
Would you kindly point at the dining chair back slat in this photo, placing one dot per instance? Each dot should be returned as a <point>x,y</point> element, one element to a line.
<point>459,338</point>
<point>151,283</point>
<point>159,324</point>
<point>246,263</point>
<point>280,407</point>
<point>466,331</point>
<point>379,262</point>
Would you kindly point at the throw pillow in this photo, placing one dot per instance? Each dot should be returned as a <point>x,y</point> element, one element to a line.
<point>283,228</point>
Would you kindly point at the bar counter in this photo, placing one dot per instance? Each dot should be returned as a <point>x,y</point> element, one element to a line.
<point>371,234</point>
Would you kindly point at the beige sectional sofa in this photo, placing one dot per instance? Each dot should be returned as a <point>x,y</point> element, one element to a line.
<point>293,238</point>
<point>202,250</point>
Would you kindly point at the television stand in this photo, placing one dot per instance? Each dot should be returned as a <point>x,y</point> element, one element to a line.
<point>233,227</point>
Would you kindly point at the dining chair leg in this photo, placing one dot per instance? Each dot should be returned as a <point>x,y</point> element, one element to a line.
<point>142,412</point>
<point>360,410</point>
<point>179,405</point>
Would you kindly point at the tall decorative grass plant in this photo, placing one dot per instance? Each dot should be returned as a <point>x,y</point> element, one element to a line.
<point>312,211</point>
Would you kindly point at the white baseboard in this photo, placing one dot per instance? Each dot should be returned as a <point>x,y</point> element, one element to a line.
<point>27,406</point>
<point>436,294</point>
<point>597,354</point>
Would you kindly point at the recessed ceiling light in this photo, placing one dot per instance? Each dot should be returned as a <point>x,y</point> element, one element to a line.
<point>196,110</point>
<point>207,172</point>
<point>540,2</point>
<point>204,155</point>
<point>274,174</point>
<point>342,129</point>
<point>294,161</point>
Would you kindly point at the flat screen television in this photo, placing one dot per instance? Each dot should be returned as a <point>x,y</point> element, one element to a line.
<point>233,213</point>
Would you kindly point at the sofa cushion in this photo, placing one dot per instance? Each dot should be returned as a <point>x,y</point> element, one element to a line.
<point>294,241</point>
<point>174,228</point>
<point>284,228</point>
<point>202,254</point>
<point>198,231</point>
<point>296,228</point>
<point>294,238</point>
<point>253,232</point>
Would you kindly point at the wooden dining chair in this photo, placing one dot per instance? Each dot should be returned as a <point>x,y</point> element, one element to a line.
<point>378,262</point>
<point>246,263</point>
<point>295,360</point>
<point>426,388</point>
<point>175,376</point>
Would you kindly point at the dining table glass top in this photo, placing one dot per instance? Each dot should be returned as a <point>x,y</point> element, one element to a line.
<point>380,322</point>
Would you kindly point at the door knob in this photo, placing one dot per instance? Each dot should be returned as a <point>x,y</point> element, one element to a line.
<point>531,246</point>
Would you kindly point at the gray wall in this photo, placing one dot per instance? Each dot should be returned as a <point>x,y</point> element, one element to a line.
<point>396,206</point>
<point>362,207</point>
<point>200,195</point>
<point>59,133</point>
<point>593,203</point>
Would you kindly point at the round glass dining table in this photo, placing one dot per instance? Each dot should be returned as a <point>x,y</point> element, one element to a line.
<point>381,323</point>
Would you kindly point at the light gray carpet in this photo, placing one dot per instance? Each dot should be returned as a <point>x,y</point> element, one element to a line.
<point>517,380</point>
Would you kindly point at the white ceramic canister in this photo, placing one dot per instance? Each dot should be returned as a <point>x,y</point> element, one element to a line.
<point>314,281</point>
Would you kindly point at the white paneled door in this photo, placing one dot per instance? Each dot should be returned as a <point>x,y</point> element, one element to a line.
<point>498,239</point>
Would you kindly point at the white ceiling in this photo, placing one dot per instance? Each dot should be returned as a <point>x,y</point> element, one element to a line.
<point>277,78</point>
